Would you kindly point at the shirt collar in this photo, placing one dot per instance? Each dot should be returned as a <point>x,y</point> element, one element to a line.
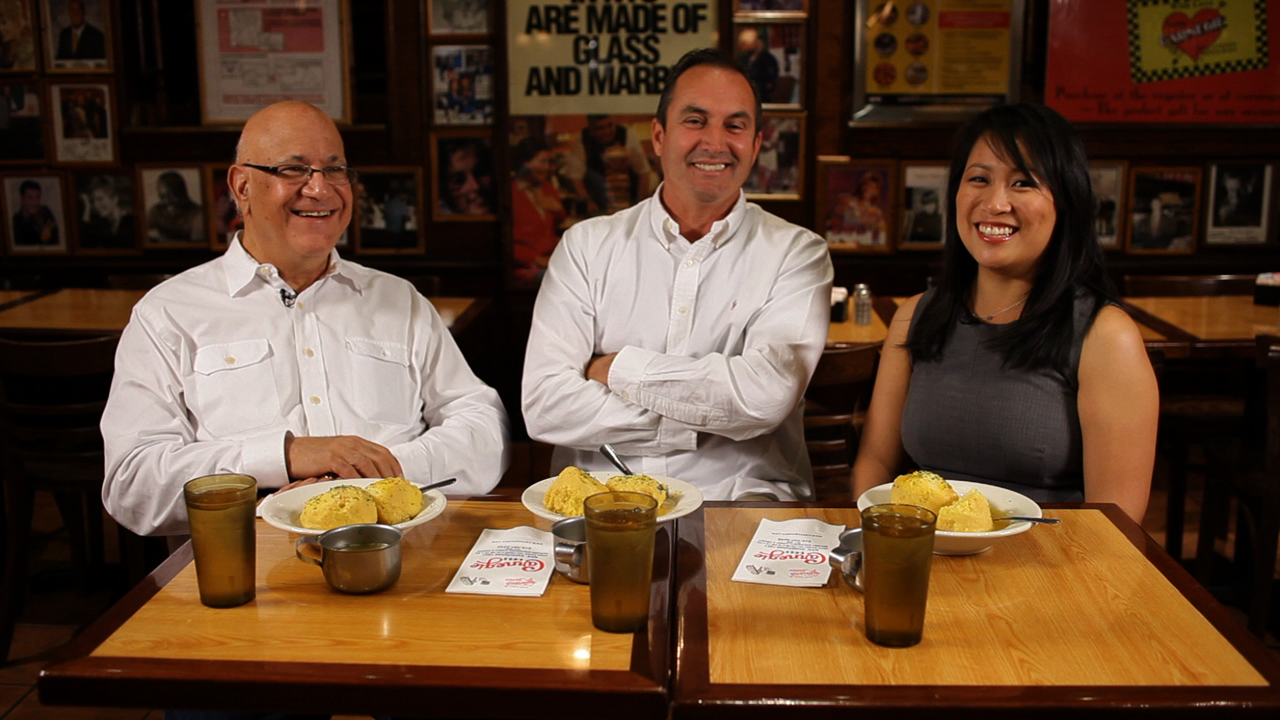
<point>667,229</point>
<point>243,268</point>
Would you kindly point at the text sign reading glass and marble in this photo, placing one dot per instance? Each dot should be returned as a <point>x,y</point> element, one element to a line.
<point>599,56</point>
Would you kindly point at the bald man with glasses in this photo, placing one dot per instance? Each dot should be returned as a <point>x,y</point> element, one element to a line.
<point>283,361</point>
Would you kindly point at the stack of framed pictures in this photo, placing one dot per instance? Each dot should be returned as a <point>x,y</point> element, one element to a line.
<point>769,40</point>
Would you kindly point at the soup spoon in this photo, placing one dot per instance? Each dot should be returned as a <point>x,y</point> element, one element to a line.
<point>440,484</point>
<point>609,452</point>
<point>1046,521</point>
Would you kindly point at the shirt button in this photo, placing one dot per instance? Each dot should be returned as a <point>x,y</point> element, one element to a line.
<point>684,310</point>
<point>626,395</point>
<point>301,305</point>
<point>689,263</point>
<point>309,352</point>
<point>315,400</point>
<point>230,360</point>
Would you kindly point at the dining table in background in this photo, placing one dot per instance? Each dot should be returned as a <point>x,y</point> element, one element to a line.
<point>1089,614</point>
<point>847,332</point>
<point>90,311</point>
<point>1203,326</point>
<point>410,651</point>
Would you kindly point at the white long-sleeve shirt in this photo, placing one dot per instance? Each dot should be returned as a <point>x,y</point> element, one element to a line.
<point>213,370</point>
<point>716,341</point>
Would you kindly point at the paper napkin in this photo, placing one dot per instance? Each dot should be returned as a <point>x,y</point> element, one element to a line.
<point>516,561</point>
<point>790,552</point>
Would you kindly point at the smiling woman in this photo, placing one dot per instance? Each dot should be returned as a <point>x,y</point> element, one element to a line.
<point>1018,369</point>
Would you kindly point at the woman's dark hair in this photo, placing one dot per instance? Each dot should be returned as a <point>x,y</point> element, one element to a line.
<point>1041,144</point>
<point>527,149</point>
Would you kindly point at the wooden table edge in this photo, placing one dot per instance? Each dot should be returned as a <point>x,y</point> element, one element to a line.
<point>74,677</point>
<point>694,697</point>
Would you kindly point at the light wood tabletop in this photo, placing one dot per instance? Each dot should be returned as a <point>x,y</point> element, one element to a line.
<point>1086,614</point>
<point>8,297</point>
<point>412,650</point>
<point>1213,325</point>
<point>96,310</point>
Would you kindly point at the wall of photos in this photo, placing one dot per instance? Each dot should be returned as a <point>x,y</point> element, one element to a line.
<point>113,154</point>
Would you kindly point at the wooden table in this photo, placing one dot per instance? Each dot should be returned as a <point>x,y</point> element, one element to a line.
<point>1219,325</point>
<point>79,311</point>
<point>848,332</point>
<point>1088,614</point>
<point>412,650</point>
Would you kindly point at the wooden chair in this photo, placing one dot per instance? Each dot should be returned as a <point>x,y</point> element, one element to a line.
<point>835,407</point>
<point>51,400</point>
<point>1252,476</point>
<point>1200,400</point>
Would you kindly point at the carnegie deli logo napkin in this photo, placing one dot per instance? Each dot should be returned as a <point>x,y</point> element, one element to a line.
<point>516,561</point>
<point>789,552</point>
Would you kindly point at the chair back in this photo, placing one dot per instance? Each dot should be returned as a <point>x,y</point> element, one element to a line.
<point>1187,285</point>
<point>835,406</point>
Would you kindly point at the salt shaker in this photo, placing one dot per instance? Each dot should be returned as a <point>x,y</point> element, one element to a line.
<point>862,304</point>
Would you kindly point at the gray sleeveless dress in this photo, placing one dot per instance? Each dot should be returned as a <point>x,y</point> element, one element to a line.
<point>968,418</point>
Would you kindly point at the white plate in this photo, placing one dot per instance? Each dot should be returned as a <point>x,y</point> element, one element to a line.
<point>282,509</point>
<point>689,497</point>
<point>947,542</point>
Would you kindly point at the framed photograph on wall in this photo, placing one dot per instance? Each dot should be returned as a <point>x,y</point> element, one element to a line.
<point>389,210</point>
<point>105,211</point>
<point>18,37</point>
<point>855,203</point>
<point>773,55</point>
<point>462,84</point>
<point>251,54</point>
<point>924,205</point>
<point>1108,180</point>
<point>463,186</point>
<point>1163,209</point>
<point>22,139</point>
<point>779,170</point>
<point>173,209</point>
<point>1239,205</point>
<point>84,127</point>
<point>77,35</point>
<point>771,8</point>
<point>34,211</point>
<point>458,17</point>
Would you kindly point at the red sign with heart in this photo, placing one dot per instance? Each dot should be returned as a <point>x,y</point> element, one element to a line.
<point>1193,35</point>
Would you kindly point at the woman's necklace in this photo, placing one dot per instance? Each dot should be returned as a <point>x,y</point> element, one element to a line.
<point>992,316</point>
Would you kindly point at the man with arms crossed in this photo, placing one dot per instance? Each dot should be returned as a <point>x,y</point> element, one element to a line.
<point>683,330</point>
<point>283,361</point>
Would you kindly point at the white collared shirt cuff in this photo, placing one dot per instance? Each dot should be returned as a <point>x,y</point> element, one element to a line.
<point>263,458</point>
<point>627,371</point>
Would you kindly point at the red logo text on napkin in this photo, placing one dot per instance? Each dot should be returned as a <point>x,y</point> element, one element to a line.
<point>525,564</point>
<point>812,558</point>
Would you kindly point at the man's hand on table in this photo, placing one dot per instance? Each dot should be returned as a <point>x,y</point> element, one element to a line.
<point>341,456</point>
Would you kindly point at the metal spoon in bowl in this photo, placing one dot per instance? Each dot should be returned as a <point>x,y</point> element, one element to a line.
<point>613,458</point>
<point>440,484</point>
<point>1046,521</point>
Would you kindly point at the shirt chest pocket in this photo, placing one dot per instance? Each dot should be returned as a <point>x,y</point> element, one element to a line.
<point>235,387</point>
<point>381,384</point>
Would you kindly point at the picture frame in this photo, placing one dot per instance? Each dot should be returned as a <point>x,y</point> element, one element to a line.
<point>1240,198</point>
<point>23,140</point>
<point>773,54</point>
<point>458,17</point>
<point>84,123</point>
<point>106,212</point>
<point>1109,201</point>
<point>462,84</point>
<point>171,216</point>
<point>33,205</point>
<point>779,170</point>
<point>77,35</point>
<point>389,213</point>
<point>1164,210</point>
<point>463,183</point>
<point>18,24</point>
<point>248,59</point>
<point>901,48</point>
<point>224,216</point>
<point>771,8</point>
<point>855,203</point>
<point>923,198</point>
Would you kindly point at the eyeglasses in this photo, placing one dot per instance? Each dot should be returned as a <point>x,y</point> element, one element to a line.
<point>334,174</point>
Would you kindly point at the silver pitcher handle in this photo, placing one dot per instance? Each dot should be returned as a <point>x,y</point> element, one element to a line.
<point>847,557</point>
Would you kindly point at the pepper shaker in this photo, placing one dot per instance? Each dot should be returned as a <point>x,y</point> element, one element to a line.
<point>862,304</point>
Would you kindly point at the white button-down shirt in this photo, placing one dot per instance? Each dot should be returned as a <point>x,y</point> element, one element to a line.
<point>214,369</point>
<point>716,340</point>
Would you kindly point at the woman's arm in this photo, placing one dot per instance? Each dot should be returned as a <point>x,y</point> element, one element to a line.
<point>880,448</point>
<point>1119,405</point>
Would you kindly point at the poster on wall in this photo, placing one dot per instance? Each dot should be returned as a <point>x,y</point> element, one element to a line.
<point>257,52</point>
<point>599,57</point>
<point>935,59</point>
<point>1164,61</point>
